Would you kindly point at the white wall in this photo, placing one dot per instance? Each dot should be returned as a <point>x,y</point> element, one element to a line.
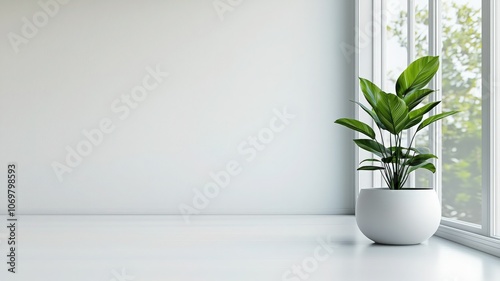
<point>225,79</point>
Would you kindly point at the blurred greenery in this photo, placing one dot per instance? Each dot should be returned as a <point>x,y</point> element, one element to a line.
<point>461,90</point>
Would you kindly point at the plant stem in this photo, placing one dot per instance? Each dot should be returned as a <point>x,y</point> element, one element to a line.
<point>384,174</point>
<point>391,163</point>
<point>406,168</point>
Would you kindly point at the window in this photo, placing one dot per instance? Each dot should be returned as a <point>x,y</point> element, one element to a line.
<point>466,36</point>
<point>461,157</point>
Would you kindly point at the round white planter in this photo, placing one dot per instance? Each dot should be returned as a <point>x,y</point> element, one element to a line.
<point>398,217</point>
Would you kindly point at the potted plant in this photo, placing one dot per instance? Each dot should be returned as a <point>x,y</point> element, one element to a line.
<point>398,215</point>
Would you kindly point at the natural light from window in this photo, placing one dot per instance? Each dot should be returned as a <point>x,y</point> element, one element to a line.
<point>461,90</point>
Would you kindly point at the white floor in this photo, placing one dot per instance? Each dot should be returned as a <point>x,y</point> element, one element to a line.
<point>257,248</point>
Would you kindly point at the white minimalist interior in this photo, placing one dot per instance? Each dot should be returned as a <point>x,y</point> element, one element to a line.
<point>195,140</point>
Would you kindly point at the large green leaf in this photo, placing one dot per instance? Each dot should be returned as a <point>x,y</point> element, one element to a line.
<point>357,126</point>
<point>416,97</point>
<point>413,122</point>
<point>423,110</point>
<point>434,118</point>
<point>392,112</point>
<point>427,166</point>
<point>417,114</point>
<point>369,160</point>
<point>370,168</point>
<point>372,115</point>
<point>372,146</point>
<point>370,91</point>
<point>417,75</point>
<point>419,159</point>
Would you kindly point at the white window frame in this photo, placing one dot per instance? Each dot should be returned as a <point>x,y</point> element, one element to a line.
<point>369,64</point>
<point>366,65</point>
<point>494,79</point>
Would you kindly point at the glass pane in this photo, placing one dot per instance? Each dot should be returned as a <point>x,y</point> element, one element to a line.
<point>421,29</point>
<point>396,52</point>
<point>461,90</point>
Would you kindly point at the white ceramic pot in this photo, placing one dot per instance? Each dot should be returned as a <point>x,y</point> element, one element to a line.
<point>398,217</point>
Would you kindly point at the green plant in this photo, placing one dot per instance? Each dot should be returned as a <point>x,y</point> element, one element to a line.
<point>395,114</point>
